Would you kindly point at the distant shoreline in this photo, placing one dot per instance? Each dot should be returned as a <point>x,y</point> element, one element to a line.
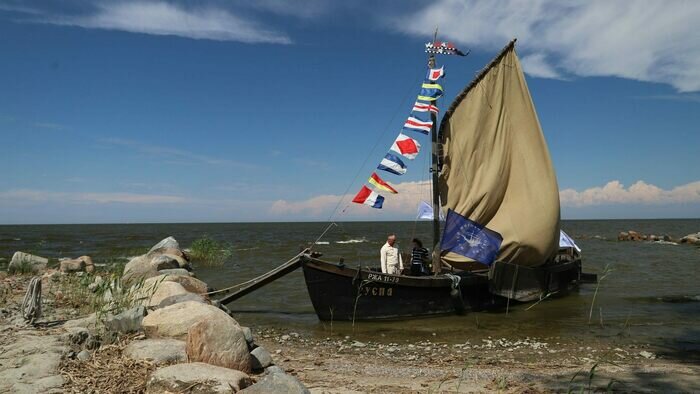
<point>305,222</point>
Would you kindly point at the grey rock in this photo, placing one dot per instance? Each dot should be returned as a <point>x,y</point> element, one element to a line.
<point>84,355</point>
<point>276,381</point>
<point>177,298</point>
<point>167,243</point>
<point>78,336</point>
<point>72,265</point>
<point>248,333</point>
<point>89,322</point>
<point>127,321</point>
<point>165,261</point>
<point>176,271</point>
<point>261,358</point>
<point>196,378</point>
<point>158,350</point>
<point>21,260</point>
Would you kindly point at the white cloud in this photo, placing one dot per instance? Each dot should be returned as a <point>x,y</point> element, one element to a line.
<point>24,196</point>
<point>537,66</point>
<point>640,192</point>
<point>647,40</point>
<point>404,204</point>
<point>410,194</point>
<point>162,18</point>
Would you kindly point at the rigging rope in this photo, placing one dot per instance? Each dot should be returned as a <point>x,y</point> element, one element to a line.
<point>31,304</point>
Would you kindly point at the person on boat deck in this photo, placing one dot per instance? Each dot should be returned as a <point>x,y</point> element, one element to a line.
<point>390,256</point>
<point>419,256</point>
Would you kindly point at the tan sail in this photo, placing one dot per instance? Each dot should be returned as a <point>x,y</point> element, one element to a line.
<point>497,170</point>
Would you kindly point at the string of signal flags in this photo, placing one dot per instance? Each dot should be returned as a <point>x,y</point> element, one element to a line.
<point>419,121</point>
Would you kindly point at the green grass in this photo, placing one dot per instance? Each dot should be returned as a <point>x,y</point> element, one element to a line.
<point>206,251</point>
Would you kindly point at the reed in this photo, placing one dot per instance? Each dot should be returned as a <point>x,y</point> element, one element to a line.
<point>209,252</point>
<point>606,271</point>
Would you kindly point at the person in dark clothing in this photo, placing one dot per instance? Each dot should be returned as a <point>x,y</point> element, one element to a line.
<point>419,258</point>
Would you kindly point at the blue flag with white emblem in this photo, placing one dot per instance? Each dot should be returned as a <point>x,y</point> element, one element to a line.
<point>470,239</point>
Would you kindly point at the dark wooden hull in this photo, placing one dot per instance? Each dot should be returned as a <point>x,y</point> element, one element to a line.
<point>339,292</point>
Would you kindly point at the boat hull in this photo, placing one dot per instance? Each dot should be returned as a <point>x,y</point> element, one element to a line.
<point>339,292</point>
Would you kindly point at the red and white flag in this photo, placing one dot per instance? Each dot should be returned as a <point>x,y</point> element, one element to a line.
<point>425,107</point>
<point>436,73</point>
<point>406,146</point>
<point>416,124</point>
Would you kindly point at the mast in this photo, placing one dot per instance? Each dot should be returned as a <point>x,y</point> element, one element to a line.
<point>434,169</point>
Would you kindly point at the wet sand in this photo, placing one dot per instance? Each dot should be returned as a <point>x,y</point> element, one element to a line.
<point>340,364</point>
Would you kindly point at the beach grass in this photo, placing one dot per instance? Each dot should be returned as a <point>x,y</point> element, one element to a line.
<point>209,252</point>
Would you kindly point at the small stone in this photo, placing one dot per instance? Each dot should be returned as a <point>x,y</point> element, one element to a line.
<point>261,358</point>
<point>84,355</point>
<point>648,355</point>
<point>285,337</point>
<point>358,344</point>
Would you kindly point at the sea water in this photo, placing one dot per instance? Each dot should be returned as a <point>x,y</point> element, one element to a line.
<point>650,295</point>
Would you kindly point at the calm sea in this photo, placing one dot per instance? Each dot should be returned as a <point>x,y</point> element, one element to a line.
<point>651,295</point>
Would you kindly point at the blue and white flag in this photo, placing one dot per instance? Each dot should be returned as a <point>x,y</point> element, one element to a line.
<point>425,211</point>
<point>470,239</point>
<point>567,242</point>
<point>391,163</point>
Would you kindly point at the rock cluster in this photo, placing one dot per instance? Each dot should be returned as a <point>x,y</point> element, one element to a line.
<point>195,342</point>
<point>693,239</point>
<point>636,236</point>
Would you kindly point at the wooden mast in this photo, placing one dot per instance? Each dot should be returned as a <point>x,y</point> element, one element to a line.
<point>434,169</point>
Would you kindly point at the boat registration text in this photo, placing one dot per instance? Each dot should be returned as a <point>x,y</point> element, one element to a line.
<point>382,278</point>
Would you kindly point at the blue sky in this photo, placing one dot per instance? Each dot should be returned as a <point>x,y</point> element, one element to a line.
<point>155,111</point>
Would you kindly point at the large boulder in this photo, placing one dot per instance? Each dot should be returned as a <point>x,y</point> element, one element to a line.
<point>72,265</point>
<point>177,298</point>
<point>162,291</point>
<point>278,382</point>
<point>173,321</point>
<point>160,351</point>
<point>25,263</point>
<point>176,271</point>
<point>139,267</point>
<point>220,341</point>
<point>196,378</point>
<point>166,243</point>
<point>191,284</point>
<point>693,239</point>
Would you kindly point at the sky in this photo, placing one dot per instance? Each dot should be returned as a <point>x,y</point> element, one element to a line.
<point>235,111</point>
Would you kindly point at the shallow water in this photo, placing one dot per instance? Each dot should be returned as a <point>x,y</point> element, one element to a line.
<point>652,294</point>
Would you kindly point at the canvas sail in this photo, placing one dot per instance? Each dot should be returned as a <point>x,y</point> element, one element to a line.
<point>496,166</point>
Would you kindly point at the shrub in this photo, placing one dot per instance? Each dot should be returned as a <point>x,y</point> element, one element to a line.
<point>210,252</point>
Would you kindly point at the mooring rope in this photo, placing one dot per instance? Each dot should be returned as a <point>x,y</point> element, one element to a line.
<point>31,304</point>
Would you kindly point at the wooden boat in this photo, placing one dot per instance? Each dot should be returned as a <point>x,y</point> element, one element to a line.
<point>339,292</point>
<point>490,166</point>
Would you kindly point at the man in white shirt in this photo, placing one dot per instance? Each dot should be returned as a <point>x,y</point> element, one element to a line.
<point>390,256</point>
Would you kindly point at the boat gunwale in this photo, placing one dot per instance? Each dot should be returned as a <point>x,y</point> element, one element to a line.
<point>400,280</point>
